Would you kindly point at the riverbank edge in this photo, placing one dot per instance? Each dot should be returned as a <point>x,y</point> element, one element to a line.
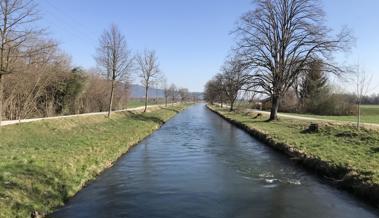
<point>37,214</point>
<point>340,177</point>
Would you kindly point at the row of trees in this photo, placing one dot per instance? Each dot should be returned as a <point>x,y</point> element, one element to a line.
<point>174,94</point>
<point>370,99</point>
<point>279,44</point>
<point>226,86</point>
<point>117,64</point>
<point>37,79</point>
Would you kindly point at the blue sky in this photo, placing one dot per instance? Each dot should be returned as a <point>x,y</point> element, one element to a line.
<point>192,37</point>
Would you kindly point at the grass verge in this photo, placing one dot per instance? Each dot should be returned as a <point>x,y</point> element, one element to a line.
<point>369,114</point>
<point>348,158</point>
<point>44,163</point>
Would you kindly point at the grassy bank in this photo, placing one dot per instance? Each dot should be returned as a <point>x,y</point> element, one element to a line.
<point>348,158</point>
<point>369,114</point>
<point>44,163</point>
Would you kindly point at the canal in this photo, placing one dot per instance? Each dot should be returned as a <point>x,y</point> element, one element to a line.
<point>198,165</point>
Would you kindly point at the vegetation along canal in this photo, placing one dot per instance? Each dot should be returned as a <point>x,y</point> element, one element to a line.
<point>198,165</point>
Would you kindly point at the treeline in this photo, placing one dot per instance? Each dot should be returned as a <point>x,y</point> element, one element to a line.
<point>310,93</point>
<point>372,99</point>
<point>282,58</point>
<point>37,79</point>
<point>58,89</point>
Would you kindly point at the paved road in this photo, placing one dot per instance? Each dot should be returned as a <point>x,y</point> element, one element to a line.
<point>12,122</point>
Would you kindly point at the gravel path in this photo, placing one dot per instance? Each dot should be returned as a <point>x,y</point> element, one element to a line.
<point>12,122</point>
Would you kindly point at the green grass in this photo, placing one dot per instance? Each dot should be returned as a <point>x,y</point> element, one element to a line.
<point>44,163</point>
<point>369,114</point>
<point>132,103</point>
<point>339,145</point>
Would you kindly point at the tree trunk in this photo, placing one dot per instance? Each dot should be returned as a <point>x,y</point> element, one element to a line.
<point>359,116</point>
<point>1,98</point>
<point>146,98</point>
<point>165,101</point>
<point>111,99</point>
<point>274,108</point>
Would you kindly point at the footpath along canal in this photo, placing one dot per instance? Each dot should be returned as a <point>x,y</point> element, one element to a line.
<point>199,165</point>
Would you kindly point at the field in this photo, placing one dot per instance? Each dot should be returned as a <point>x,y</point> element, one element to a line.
<point>369,114</point>
<point>339,145</point>
<point>44,163</point>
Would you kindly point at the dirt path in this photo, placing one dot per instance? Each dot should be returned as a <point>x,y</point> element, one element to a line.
<point>299,117</point>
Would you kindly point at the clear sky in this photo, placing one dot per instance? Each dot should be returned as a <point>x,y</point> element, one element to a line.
<point>191,37</point>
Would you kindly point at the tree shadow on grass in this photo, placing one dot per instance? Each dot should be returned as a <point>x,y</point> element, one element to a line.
<point>253,121</point>
<point>170,109</point>
<point>145,118</point>
<point>375,150</point>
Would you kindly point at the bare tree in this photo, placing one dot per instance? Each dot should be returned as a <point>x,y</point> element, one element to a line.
<point>16,29</point>
<point>166,91</point>
<point>214,90</point>
<point>159,84</point>
<point>219,89</point>
<point>279,37</point>
<point>172,92</point>
<point>234,77</point>
<point>114,59</point>
<point>37,76</point>
<point>184,94</point>
<point>148,70</point>
<point>210,93</point>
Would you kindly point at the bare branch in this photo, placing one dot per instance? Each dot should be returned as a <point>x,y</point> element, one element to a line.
<point>148,70</point>
<point>114,58</point>
<point>279,38</point>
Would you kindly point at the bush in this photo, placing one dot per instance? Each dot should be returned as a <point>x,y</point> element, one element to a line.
<point>331,104</point>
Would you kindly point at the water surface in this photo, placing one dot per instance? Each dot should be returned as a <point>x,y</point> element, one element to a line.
<point>198,165</point>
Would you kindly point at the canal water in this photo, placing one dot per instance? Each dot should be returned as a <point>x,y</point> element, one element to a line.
<point>198,165</point>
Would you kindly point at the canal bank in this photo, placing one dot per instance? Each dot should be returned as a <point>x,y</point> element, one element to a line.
<point>345,158</point>
<point>44,163</point>
<point>199,165</point>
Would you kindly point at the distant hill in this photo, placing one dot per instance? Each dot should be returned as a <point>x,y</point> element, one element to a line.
<point>199,95</point>
<point>138,91</point>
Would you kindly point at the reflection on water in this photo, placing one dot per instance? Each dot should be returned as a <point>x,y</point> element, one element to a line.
<point>198,165</point>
